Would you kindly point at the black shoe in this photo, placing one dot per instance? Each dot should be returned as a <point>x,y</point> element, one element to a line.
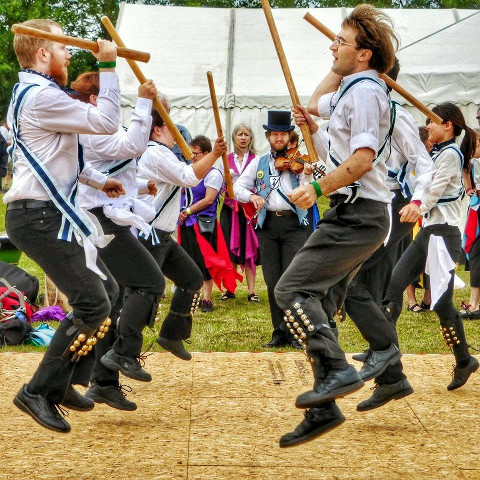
<point>129,366</point>
<point>361,357</point>
<point>276,342</point>
<point>296,345</point>
<point>385,392</point>
<point>174,346</point>
<point>461,375</point>
<point>76,401</point>
<point>227,296</point>
<point>470,315</point>
<point>337,384</point>
<point>112,395</point>
<point>206,306</point>
<point>42,410</point>
<point>378,361</point>
<point>317,421</point>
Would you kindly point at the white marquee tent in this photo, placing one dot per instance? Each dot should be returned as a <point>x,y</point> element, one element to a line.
<point>439,60</point>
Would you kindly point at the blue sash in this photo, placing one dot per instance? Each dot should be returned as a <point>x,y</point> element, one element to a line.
<point>354,187</point>
<point>72,218</point>
<point>461,191</point>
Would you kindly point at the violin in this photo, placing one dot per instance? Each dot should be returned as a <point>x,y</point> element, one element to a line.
<point>294,161</point>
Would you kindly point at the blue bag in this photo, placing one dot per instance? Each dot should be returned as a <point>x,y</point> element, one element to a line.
<point>40,336</point>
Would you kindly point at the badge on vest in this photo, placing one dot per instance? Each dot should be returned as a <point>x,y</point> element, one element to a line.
<point>260,174</point>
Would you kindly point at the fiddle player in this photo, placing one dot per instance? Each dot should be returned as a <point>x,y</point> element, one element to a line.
<point>314,286</point>
<point>281,226</point>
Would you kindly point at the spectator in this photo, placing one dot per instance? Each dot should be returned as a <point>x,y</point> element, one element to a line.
<point>235,216</point>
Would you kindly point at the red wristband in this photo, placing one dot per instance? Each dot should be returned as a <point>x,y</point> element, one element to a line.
<point>418,203</point>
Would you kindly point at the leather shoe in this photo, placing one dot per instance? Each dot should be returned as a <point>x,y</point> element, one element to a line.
<point>317,421</point>
<point>361,357</point>
<point>176,347</point>
<point>112,395</point>
<point>337,384</point>
<point>76,401</point>
<point>41,409</point>
<point>276,342</point>
<point>385,392</point>
<point>461,375</point>
<point>377,362</point>
<point>296,345</point>
<point>129,366</point>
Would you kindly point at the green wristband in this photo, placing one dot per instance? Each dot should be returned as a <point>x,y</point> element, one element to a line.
<point>318,189</point>
<point>107,64</point>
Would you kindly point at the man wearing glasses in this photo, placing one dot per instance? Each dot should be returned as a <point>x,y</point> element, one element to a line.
<point>313,287</point>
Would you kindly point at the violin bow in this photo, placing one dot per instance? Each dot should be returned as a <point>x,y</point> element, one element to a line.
<point>218,123</point>
<point>391,83</point>
<point>182,144</point>
<point>288,77</point>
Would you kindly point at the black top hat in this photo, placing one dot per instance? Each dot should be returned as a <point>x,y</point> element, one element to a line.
<point>279,121</point>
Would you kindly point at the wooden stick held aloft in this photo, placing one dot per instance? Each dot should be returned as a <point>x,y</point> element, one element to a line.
<point>77,42</point>
<point>391,83</point>
<point>182,144</point>
<point>307,136</point>
<point>218,123</point>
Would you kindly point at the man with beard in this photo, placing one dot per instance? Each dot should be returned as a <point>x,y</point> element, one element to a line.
<point>43,218</point>
<point>281,226</point>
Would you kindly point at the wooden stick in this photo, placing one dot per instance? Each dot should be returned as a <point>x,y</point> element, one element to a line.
<point>307,136</point>
<point>218,123</point>
<point>77,42</point>
<point>186,152</point>
<point>391,83</point>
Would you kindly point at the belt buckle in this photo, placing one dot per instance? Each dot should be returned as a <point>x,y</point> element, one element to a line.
<point>278,214</point>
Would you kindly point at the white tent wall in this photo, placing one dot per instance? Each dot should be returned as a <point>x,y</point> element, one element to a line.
<point>238,49</point>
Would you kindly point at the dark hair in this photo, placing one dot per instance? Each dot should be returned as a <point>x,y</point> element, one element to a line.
<point>294,137</point>
<point>375,33</point>
<point>157,121</point>
<point>86,84</point>
<point>202,142</point>
<point>423,132</point>
<point>451,113</point>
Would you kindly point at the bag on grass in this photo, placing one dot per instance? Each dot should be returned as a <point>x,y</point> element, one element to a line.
<point>14,332</point>
<point>40,336</point>
<point>23,281</point>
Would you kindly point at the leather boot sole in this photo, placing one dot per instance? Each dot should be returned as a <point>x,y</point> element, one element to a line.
<point>339,393</point>
<point>396,396</point>
<point>314,433</point>
<point>18,403</point>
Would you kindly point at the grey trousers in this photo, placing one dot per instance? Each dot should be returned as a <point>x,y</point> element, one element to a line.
<point>319,274</point>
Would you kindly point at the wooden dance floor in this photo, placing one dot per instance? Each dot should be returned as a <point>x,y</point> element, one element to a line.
<point>220,417</point>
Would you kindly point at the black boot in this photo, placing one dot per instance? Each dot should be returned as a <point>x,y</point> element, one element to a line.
<point>378,361</point>
<point>317,421</point>
<point>76,401</point>
<point>461,375</point>
<point>384,393</point>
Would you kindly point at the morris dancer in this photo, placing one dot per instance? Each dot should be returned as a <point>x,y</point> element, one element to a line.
<point>438,244</point>
<point>314,286</point>
<point>161,165</point>
<point>127,259</point>
<point>43,218</point>
<point>281,227</point>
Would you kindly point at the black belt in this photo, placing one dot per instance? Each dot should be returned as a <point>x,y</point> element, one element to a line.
<point>162,235</point>
<point>280,213</point>
<point>23,204</point>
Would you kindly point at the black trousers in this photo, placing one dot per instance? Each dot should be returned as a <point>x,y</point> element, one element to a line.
<point>176,265</point>
<point>280,238</point>
<point>318,276</point>
<point>132,266</point>
<point>474,262</point>
<point>412,264</point>
<point>363,302</point>
<point>34,231</point>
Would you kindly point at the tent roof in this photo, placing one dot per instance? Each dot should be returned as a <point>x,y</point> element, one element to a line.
<point>235,44</point>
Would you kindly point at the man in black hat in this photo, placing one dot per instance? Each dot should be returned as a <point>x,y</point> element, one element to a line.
<point>281,225</point>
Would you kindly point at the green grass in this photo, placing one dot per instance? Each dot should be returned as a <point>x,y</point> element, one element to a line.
<point>239,325</point>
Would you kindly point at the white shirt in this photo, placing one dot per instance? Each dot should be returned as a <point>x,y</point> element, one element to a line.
<point>361,119</point>
<point>103,151</point>
<point>240,168</point>
<point>214,179</point>
<point>247,180</point>
<point>50,122</point>
<point>407,147</point>
<point>160,164</point>
<point>447,181</point>
<point>6,134</point>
